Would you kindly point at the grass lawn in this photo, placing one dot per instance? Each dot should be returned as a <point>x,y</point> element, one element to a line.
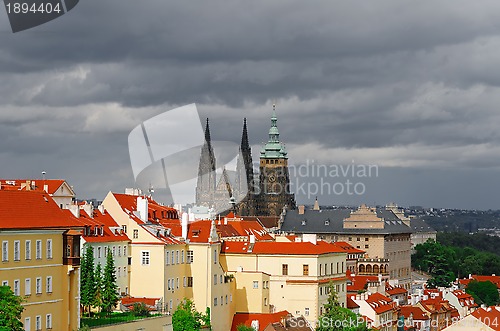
<point>101,319</point>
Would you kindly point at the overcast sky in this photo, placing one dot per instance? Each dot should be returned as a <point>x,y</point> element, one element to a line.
<point>410,86</point>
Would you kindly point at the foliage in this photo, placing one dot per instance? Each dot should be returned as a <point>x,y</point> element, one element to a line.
<point>445,263</point>
<point>243,327</point>
<point>84,328</point>
<point>99,286</point>
<point>104,318</point>
<point>109,296</point>
<point>484,292</point>
<point>187,318</point>
<point>337,318</point>
<point>87,284</point>
<point>10,306</point>
<point>140,309</point>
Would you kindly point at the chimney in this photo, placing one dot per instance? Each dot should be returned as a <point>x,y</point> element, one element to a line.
<point>87,207</point>
<point>310,237</point>
<point>301,209</point>
<point>101,209</point>
<point>28,185</point>
<point>142,208</point>
<point>184,223</point>
<point>252,239</point>
<point>46,188</point>
<point>191,217</point>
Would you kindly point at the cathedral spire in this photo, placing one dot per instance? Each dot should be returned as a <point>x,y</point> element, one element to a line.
<point>205,187</point>
<point>207,134</point>
<point>274,148</point>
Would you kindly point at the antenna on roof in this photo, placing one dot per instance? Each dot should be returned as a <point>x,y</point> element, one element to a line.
<point>151,190</point>
<point>43,174</point>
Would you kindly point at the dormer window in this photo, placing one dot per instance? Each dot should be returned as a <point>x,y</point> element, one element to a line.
<point>327,222</point>
<point>304,222</point>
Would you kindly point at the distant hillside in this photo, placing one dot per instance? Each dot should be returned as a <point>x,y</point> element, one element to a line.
<point>463,220</point>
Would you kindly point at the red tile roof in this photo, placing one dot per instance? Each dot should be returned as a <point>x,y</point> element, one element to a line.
<point>38,184</point>
<point>416,312</point>
<point>106,221</point>
<point>394,290</point>
<point>350,303</point>
<point>130,301</point>
<point>33,209</point>
<point>380,303</point>
<point>349,248</point>
<point>489,316</point>
<point>156,212</point>
<point>465,299</point>
<point>264,319</point>
<point>358,283</point>
<point>281,248</point>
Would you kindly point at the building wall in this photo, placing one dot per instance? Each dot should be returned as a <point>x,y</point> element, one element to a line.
<point>61,300</point>
<point>398,251</point>
<point>252,292</point>
<point>295,292</point>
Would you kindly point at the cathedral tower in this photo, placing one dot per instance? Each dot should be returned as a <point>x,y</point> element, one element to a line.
<point>274,183</point>
<point>245,187</point>
<point>205,188</point>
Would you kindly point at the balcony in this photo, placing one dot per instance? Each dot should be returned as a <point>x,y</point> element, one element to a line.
<point>71,244</point>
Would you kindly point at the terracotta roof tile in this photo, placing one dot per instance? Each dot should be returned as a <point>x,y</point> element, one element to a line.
<point>264,319</point>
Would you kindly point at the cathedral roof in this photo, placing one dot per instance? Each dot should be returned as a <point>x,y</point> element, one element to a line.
<point>274,149</point>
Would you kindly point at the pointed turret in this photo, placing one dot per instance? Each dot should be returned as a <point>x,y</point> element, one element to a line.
<point>205,187</point>
<point>274,148</point>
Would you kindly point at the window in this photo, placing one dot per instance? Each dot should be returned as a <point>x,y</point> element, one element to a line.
<point>136,233</point>
<point>366,246</point>
<point>114,250</point>
<point>124,271</point>
<point>184,282</point>
<point>38,249</point>
<point>176,257</point>
<point>167,257</point>
<point>177,282</point>
<point>284,269</point>
<point>215,256</point>
<point>306,311</point>
<point>357,239</point>
<point>27,286</point>
<point>48,321</point>
<point>49,248</point>
<point>350,238</point>
<point>172,261</point>
<point>27,252</point>
<point>305,269</point>
<point>17,250</point>
<point>190,257</point>
<point>168,285</point>
<point>226,299</point>
<point>220,280</point>
<point>215,279</point>
<point>366,239</point>
<point>321,290</point>
<point>145,258</point>
<point>118,272</point>
<point>5,283</point>
<point>190,282</point>
<point>38,285</point>
<point>17,289</point>
<point>124,228</point>
<point>5,251</point>
<point>221,300</point>
<point>49,284</point>
<point>119,250</point>
<point>124,250</point>
<point>27,324</point>
<point>182,256</point>
<point>215,301</point>
<point>99,252</point>
<point>321,270</point>
<point>38,322</point>
<point>255,284</point>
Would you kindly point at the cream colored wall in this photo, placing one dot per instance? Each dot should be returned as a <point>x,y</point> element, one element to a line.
<point>62,302</point>
<point>294,292</point>
<point>203,269</point>
<point>248,298</point>
<point>398,251</point>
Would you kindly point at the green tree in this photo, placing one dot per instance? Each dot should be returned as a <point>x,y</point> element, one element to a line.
<point>337,318</point>
<point>243,327</point>
<point>187,318</point>
<point>87,280</point>
<point>140,309</point>
<point>11,310</point>
<point>99,285</point>
<point>109,296</point>
<point>483,292</point>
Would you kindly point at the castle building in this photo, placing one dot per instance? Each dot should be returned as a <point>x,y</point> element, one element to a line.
<point>244,193</point>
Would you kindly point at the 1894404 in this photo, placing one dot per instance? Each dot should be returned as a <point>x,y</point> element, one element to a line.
<point>25,8</point>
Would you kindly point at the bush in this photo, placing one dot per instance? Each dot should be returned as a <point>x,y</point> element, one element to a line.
<point>140,309</point>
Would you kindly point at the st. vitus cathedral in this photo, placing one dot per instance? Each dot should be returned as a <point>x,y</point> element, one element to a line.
<point>246,194</point>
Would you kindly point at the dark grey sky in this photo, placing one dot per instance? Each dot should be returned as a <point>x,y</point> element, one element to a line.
<point>412,87</point>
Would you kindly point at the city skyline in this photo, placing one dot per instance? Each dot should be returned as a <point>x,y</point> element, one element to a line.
<point>410,89</point>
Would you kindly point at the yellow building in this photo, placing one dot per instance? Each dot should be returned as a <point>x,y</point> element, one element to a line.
<point>40,258</point>
<point>299,275</point>
<point>171,263</point>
